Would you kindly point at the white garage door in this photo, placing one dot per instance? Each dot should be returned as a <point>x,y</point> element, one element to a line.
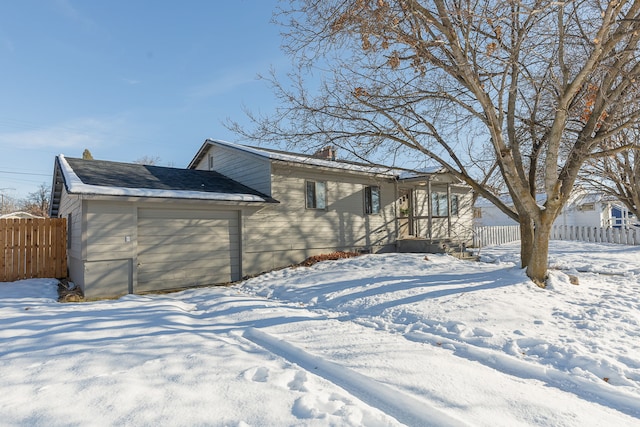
<point>179,248</point>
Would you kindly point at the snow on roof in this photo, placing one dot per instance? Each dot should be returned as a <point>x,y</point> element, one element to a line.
<point>420,173</point>
<point>481,202</point>
<point>577,198</point>
<point>75,185</point>
<point>589,198</point>
<point>335,164</point>
<point>22,215</point>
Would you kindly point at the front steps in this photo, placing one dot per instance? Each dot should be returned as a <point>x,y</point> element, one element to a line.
<point>435,246</point>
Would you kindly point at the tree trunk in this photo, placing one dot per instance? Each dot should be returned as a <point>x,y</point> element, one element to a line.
<point>526,240</point>
<point>538,262</point>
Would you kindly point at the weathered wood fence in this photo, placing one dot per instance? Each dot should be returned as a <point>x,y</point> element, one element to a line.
<point>498,235</point>
<point>33,248</point>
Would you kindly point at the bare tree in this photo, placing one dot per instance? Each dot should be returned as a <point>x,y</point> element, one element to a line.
<point>618,173</point>
<point>37,203</point>
<point>148,160</point>
<point>540,84</point>
<point>8,204</point>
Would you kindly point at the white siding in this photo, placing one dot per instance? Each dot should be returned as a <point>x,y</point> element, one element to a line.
<point>108,278</point>
<point>72,205</point>
<point>111,230</point>
<point>491,216</point>
<point>570,216</point>
<point>246,168</point>
<point>286,233</point>
<point>461,227</point>
<point>110,248</point>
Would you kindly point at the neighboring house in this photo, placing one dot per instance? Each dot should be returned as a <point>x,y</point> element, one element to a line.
<point>238,211</point>
<point>20,215</point>
<point>583,209</point>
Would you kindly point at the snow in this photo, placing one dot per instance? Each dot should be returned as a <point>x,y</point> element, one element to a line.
<point>354,167</point>
<point>76,186</point>
<point>378,340</point>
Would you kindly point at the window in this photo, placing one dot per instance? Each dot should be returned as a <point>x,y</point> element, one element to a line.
<point>371,200</point>
<point>440,207</point>
<point>316,195</point>
<point>439,204</point>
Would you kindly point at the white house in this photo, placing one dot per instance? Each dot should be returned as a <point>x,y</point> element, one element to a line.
<point>238,211</point>
<point>583,209</point>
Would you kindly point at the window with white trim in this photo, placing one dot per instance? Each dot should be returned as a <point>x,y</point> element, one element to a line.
<point>316,194</point>
<point>372,200</point>
<point>454,205</point>
<point>440,206</point>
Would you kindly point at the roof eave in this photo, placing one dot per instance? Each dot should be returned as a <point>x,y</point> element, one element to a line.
<point>199,155</point>
<point>57,184</point>
<point>126,197</point>
<point>336,169</point>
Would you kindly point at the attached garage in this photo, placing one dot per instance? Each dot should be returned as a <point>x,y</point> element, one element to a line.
<point>194,247</point>
<point>137,228</point>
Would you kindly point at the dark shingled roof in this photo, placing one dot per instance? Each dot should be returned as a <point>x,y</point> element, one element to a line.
<point>129,175</point>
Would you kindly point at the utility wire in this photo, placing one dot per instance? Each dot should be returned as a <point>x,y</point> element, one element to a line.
<point>25,173</point>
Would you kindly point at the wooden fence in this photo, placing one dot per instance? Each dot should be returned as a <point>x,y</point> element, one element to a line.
<point>498,235</point>
<point>33,248</point>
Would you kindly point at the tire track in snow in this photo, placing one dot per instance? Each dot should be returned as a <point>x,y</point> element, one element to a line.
<point>602,394</point>
<point>403,407</point>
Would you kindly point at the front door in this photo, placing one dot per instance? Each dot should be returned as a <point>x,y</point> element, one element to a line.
<point>405,214</point>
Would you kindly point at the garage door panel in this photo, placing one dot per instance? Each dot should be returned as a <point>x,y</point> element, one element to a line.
<point>213,257</point>
<point>185,248</point>
<point>150,273</point>
<point>185,213</point>
<point>165,226</point>
<point>156,267</point>
<point>186,239</point>
<point>194,249</point>
<point>156,277</point>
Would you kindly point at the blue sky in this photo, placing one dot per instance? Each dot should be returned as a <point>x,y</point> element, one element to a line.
<point>126,79</point>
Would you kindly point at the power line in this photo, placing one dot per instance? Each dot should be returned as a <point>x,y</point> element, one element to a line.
<point>25,173</point>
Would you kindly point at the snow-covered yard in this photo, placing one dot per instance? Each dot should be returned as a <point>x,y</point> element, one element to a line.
<point>379,340</point>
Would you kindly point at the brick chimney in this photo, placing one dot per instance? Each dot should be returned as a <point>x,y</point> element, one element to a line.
<point>327,153</point>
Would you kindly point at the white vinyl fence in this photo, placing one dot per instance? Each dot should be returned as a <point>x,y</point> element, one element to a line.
<point>497,235</point>
<point>624,236</point>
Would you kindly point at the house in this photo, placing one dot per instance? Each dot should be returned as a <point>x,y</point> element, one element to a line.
<point>584,208</point>
<point>239,210</point>
<point>20,215</point>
